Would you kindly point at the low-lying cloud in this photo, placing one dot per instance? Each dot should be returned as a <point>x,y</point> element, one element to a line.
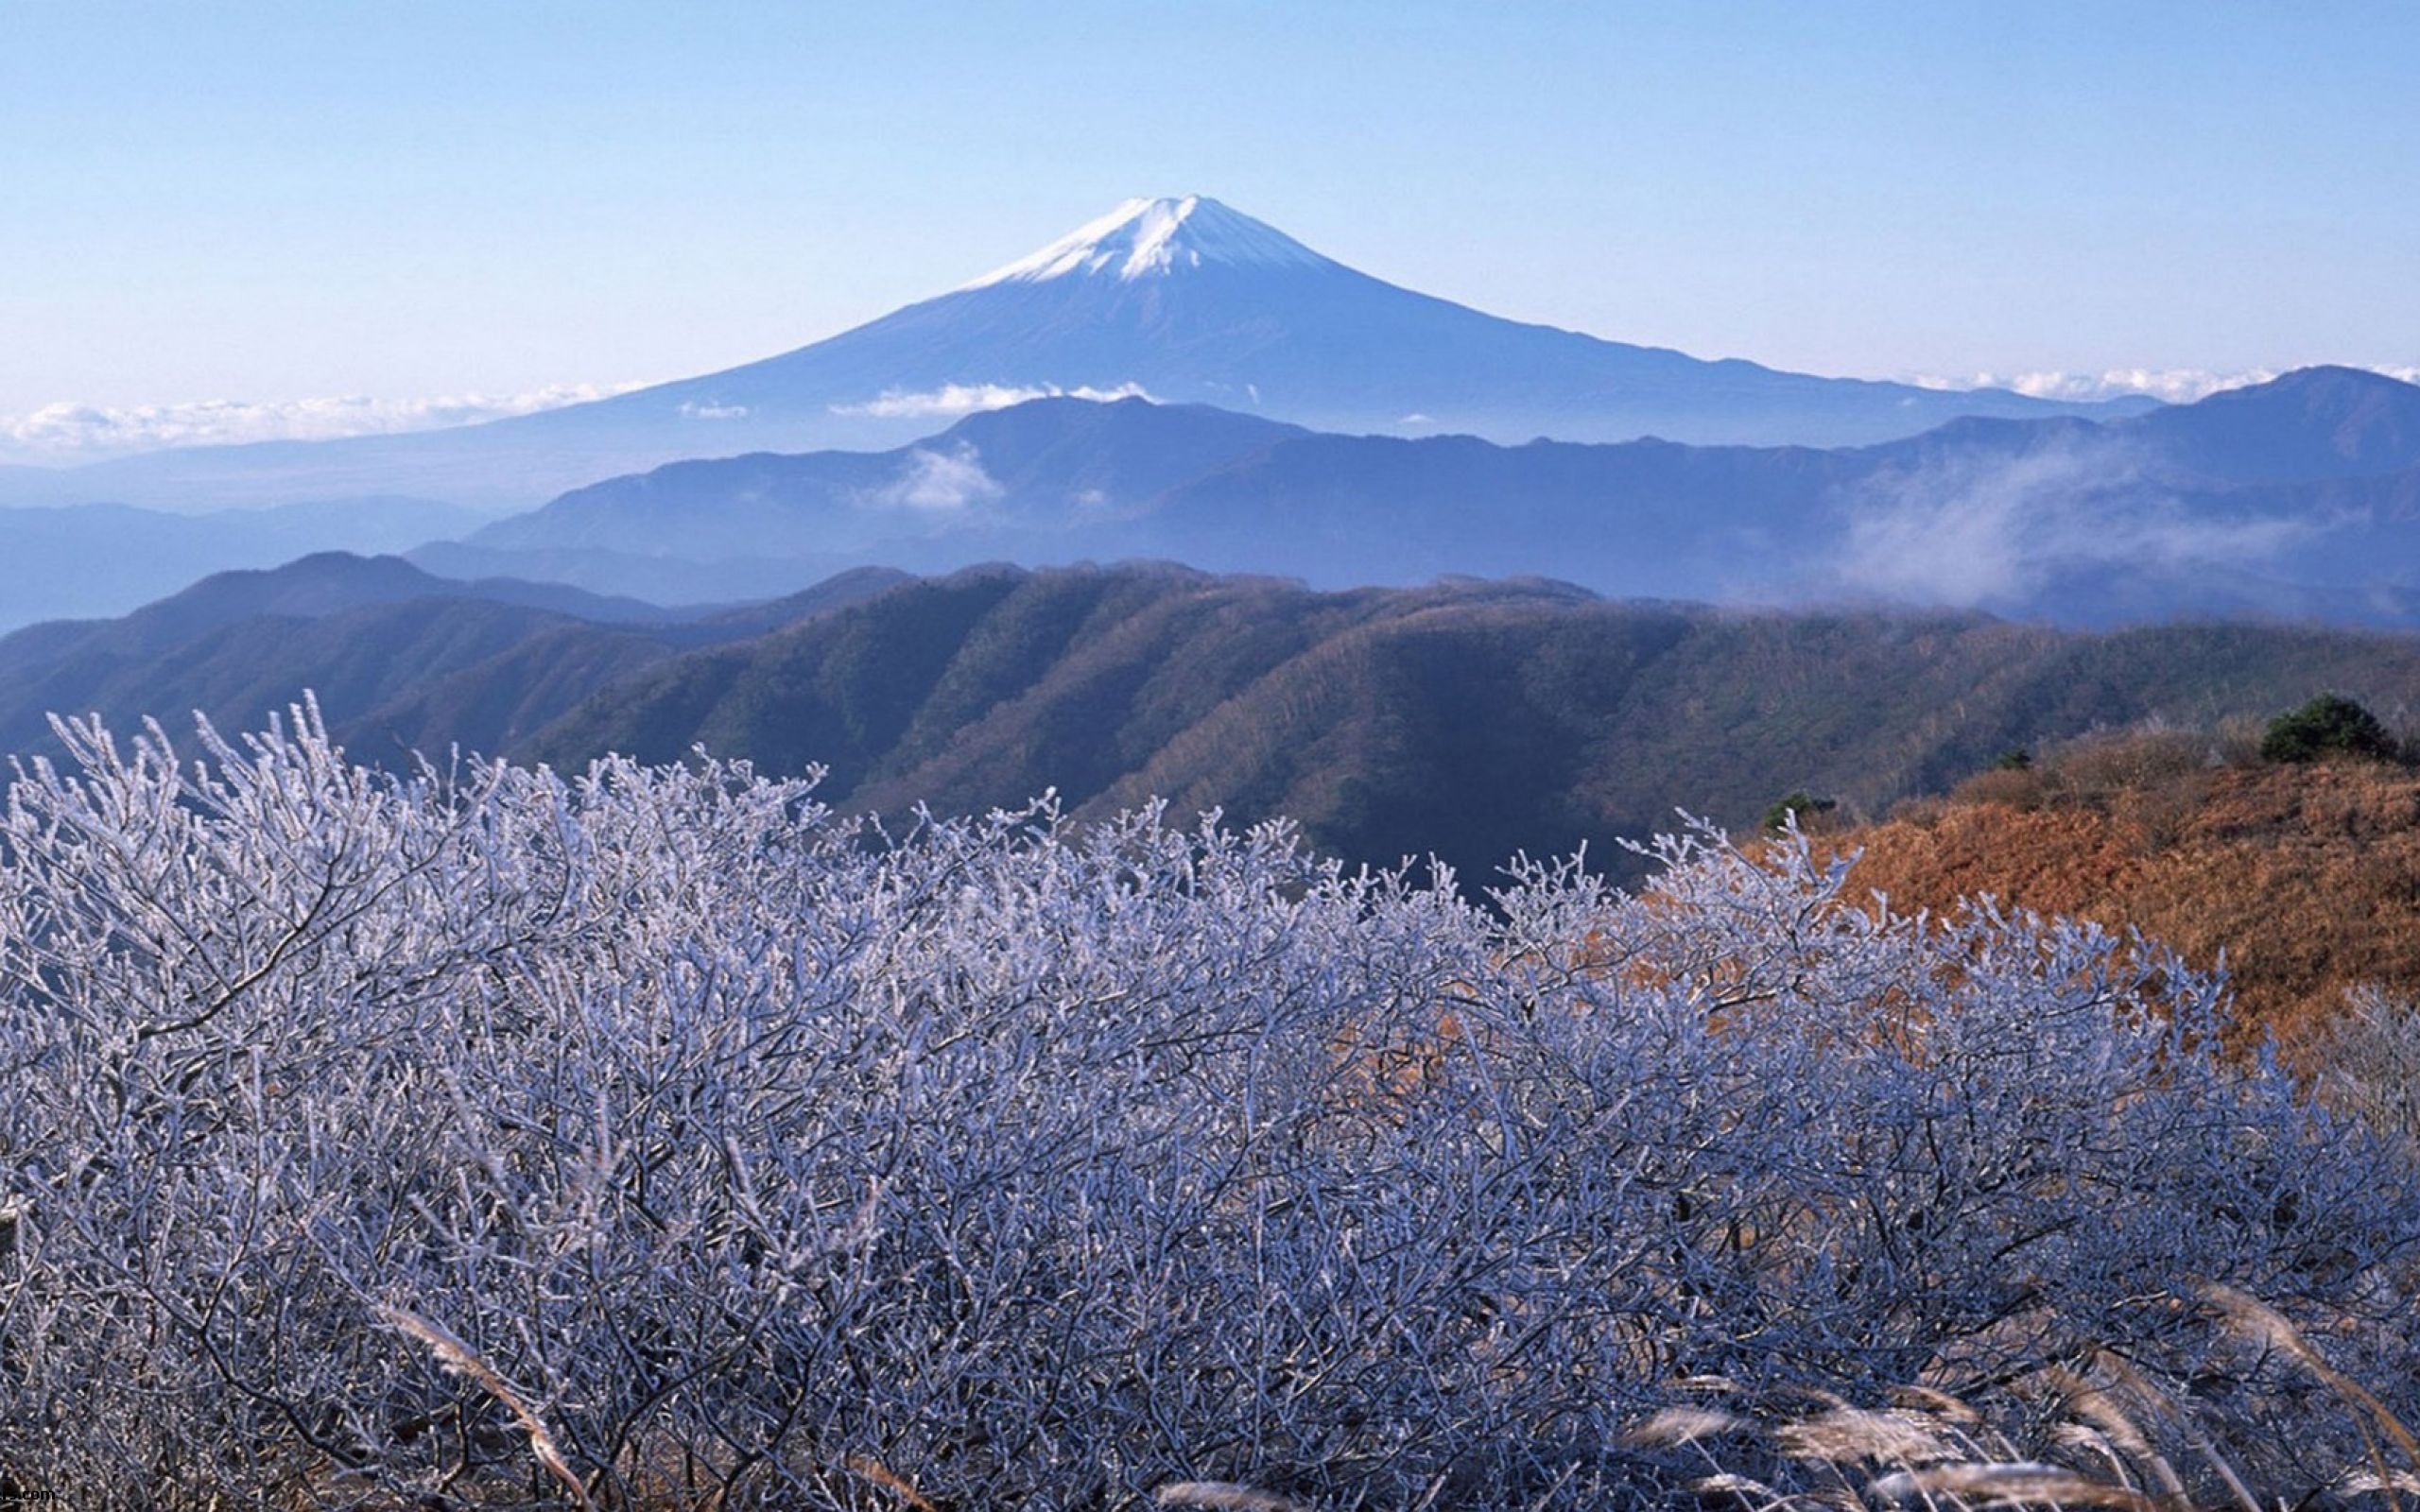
<point>70,432</point>
<point>2174,386</point>
<point>966,398</point>
<point>1994,533</point>
<point>939,482</point>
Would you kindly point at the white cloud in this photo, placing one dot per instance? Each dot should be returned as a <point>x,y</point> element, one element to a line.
<point>1989,533</point>
<point>933,482</point>
<point>2175,385</point>
<point>690,409</point>
<point>70,432</point>
<point>966,399</point>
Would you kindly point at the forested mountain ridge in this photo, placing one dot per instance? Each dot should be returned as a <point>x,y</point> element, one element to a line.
<point>1467,719</point>
<point>410,660</point>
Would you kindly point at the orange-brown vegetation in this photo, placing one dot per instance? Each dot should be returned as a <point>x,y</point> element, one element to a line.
<point>2307,878</point>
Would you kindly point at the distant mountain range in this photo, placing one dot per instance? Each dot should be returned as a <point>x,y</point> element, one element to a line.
<point>364,632</point>
<point>87,560</point>
<point>2299,498</point>
<point>1467,719</point>
<point>1184,300</point>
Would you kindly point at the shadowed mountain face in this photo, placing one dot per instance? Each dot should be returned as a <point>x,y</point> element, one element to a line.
<point>1468,720</point>
<point>2315,423</point>
<point>1185,300</point>
<point>2293,499</point>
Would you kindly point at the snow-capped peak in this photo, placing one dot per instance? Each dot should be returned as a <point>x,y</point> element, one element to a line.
<point>1143,238</point>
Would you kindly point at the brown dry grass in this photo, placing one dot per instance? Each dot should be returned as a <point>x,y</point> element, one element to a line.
<point>2102,1420</point>
<point>2308,878</point>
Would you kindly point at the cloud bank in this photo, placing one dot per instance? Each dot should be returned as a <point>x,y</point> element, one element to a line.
<point>66,433</point>
<point>2174,386</point>
<point>1992,534</point>
<point>966,399</point>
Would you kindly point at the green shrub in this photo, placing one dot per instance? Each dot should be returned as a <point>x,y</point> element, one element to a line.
<point>2330,725</point>
<point>1799,804</point>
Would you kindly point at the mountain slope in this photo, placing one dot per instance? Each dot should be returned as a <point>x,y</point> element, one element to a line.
<point>1467,719</point>
<point>308,587</point>
<point>402,660</point>
<point>2315,422</point>
<point>1046,463</point>
<point>2305,879</point>
<point>1196,303</point>
<point>1470,719</point>
<point>2141,519</point>
<point>1185,300</point>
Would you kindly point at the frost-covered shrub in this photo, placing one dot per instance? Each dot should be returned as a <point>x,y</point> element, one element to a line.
<point>656,1138</point>
<point>2366,1062</point>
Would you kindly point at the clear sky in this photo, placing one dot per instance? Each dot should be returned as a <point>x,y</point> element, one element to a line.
<point>272,203</point>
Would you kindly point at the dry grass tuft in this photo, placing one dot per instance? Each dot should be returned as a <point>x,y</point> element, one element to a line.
<point>1941,1404</point>
<point>867,1467</point>
<point>1848,1434</point>
<point>2261,1325</point>
<point>459,1358</point>
<point>1226,1497</point>
<point>2098,1447</point>
<point>2021,1484</point>
<point>1682,1425</point>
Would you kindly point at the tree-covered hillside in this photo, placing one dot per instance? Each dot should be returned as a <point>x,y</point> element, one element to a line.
<point>1468,720</point>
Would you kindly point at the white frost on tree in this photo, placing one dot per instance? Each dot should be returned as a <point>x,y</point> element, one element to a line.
<point>658,1137</point>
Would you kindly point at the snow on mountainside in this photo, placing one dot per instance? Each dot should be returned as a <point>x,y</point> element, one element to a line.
<point>1185,301</point>
<point>1145,238</point>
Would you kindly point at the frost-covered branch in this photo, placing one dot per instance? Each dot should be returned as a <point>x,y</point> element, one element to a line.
<point>751,1155</point>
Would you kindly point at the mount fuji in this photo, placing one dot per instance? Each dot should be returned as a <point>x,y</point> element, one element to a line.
<point>1180,300</point>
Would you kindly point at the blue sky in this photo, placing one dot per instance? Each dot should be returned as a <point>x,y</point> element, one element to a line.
<point>274,202</point>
